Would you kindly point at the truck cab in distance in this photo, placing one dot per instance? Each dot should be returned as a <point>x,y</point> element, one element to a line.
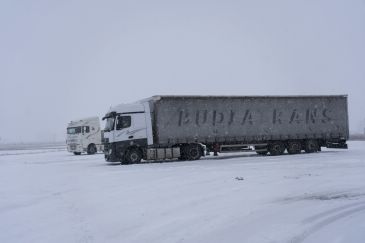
<point>84,135</point>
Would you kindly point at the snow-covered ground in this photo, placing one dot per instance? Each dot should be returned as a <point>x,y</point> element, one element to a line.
<point>53,196</point>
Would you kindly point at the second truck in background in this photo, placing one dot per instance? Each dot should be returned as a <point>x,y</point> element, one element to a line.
<point>84,135</point>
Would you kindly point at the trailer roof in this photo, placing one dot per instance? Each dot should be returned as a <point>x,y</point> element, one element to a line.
<point>158,97</point>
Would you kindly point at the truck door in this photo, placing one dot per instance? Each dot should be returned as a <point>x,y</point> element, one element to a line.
<point>130,127</point>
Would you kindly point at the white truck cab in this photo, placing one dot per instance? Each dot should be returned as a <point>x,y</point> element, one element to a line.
<point>128,125</point>
<point>129,136</point>
<point>84,135</point>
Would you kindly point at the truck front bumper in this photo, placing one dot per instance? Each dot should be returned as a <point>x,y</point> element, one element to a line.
<point>72,148</point>
<point>109,153</point>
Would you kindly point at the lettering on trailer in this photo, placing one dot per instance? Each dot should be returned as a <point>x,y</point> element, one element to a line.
<point>250,117</point>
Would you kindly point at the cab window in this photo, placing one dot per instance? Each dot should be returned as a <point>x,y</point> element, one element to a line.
<point>73,130</point>
<point>85,129</point>
<point>123,122</point>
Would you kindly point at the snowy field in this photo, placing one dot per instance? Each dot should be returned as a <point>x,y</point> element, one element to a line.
<point>50,195</point>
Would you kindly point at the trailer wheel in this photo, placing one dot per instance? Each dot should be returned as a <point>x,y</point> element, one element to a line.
<point>77,153</point>
<point>133,156</point>
<point>311,146</point>
<point>276,148</point>
<point>91,149</point>
<point>194,152</point>
<point>294,147</point>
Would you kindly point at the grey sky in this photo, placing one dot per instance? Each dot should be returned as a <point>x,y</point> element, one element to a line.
<point>62,60</point>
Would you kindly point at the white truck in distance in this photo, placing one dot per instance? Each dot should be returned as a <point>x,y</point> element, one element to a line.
<point>167,127</point>
<point>84,135</point>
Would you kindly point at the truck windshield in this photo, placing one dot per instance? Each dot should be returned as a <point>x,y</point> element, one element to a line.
<point>73,130</point>
<point>109,124</point>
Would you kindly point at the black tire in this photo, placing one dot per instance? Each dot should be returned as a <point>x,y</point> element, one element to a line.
<point>77,153</point>
<point>276,148</point>
<point>133,156</point>
<point>294,147</point>
<point>311,146</point>
<point>91,149</point>
<point>194,152</point>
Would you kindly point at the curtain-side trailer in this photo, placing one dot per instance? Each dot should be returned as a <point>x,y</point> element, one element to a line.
<point>167,127</point>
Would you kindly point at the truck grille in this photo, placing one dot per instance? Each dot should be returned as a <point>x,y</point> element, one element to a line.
<point>72,146</point>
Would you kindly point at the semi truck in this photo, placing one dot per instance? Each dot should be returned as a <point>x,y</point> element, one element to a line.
<point>84,135</point>
<point>181,127</point>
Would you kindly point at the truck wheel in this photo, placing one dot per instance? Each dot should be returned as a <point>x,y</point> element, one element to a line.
<point>311,146</point>
<point>276,148</point>
<point>194,152</point>
<point>77,153</point>
<point>133,156</point>
<point>91,149</point>
<point>294,147</point>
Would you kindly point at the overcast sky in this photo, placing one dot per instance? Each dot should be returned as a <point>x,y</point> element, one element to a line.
<point>61,60</point>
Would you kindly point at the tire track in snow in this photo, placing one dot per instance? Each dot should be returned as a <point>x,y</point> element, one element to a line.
<point>328,217</point>
<point>329,212</point>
